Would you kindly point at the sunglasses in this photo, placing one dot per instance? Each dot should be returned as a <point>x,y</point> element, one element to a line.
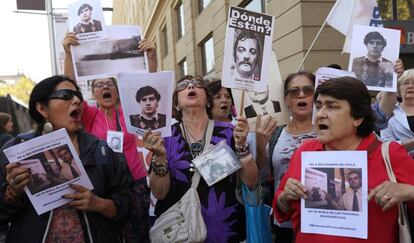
<point>104,84</point>
<point>184,84</point>
<point>65,94</point>
<point>295,92</point>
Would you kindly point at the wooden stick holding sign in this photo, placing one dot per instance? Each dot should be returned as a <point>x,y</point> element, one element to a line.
<point>242,102</point>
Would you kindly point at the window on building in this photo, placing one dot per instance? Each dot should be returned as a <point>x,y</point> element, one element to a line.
<point>207,52</point>
<point>180,19</point>
<point>253,5</point>
<point>183,67</point>
<point>164,41</point>
<point>396,9</point>
<point>202,4</point>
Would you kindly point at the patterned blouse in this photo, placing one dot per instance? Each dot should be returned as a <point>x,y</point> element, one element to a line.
<point>223,215</point>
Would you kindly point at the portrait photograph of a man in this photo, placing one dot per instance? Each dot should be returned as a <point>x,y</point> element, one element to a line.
<point>86,19</point>
<point>86,23</point>
<point>248,49</point>
<point>148,98</point>
<point>247,54</point>
<point>372,59</point>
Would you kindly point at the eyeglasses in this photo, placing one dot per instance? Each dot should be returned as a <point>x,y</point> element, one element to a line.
<point>65,94</point>
<point>184,84</point>
<point>104,84</point>
<point>295,91</point>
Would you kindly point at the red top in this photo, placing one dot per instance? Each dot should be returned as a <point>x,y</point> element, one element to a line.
<point>95,122</point>
<point>382,226</point>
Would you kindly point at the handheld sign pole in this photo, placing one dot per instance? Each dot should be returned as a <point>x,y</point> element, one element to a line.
<point>242,102</point>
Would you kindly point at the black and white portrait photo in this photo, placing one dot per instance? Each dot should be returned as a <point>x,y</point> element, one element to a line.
<point>247,54</point>
<point>261,104</point>
<point>247,51</point>
<point>86,23</point>
<point>86,19</point>
<point>146,100</point>
<point>372,56</point>
<point>119,53</point>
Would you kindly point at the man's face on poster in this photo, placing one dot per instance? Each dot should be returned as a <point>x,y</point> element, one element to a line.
<point>149,104</point>
<point>375,48</point>
<point>259,97</point>
<point>354,181</point>
<point>85,14</point>
<point>65,155</point>
<point>246,56</point>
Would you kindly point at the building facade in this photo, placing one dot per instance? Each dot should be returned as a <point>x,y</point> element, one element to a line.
<point>190,34</point>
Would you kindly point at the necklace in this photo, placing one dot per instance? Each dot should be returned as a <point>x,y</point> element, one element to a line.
<point>196,147</point>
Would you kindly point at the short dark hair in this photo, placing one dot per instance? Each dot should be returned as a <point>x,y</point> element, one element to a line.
<point>147,90</point>
<point>356,94</point>
<point>4,119</point>
<point>40,94</point>
<point>291,76</point>
<point>177,114</point>
<point>335,66</point>
<point>214,87</point>
<point>244,34</point>
<point>83,6</point>
<point>374,35</point>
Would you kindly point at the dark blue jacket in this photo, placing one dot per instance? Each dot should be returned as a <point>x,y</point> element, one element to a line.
<point>110,178</point>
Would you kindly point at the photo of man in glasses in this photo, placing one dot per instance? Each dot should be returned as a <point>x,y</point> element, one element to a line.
<point>149,118</point>
<point>373,69</point>
<point>261,104</point>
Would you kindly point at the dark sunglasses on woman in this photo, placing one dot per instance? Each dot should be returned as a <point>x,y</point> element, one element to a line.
<point>184,84</point>
<point>65,94</point>
<point>295,91</point>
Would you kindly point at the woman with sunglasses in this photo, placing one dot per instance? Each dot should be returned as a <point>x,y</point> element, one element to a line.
<point>172,169</point>
<point>298,92</point>
<point>92,215</point>
<point>107,116</point>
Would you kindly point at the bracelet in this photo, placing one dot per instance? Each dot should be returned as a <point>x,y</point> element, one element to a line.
<point>160,169</point>
<point>246,158</point>
<point>242,151</point>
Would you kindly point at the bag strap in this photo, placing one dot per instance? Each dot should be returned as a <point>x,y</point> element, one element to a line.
<point>386,156</point>
<point>209,133</point>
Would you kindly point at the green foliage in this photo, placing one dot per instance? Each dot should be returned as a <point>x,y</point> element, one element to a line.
<point>21,89</point>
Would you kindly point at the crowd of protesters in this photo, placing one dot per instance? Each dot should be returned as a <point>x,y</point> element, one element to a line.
<point>117,209</point>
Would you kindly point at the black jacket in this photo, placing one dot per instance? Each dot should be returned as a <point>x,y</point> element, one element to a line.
<point>110,178</point>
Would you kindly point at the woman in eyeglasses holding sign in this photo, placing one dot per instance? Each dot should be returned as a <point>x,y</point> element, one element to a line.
<point>92,216</point>
<point>298,92</point>
<point>106,121</point>
<point>172,167</point>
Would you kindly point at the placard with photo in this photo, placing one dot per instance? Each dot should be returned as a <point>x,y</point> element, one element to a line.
<point>247,50</point>
<point>54,164</point>
<point>374,51</point>
<point>86,19</point>
<point>146,100</point>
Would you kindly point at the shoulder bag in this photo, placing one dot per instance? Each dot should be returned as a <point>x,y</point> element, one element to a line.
<point>403,223</point>
<point>183,222</point>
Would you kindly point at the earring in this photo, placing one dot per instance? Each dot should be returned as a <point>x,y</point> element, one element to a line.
<point>47,127</point>
<point>178,108</point>
<point>208,105</point>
